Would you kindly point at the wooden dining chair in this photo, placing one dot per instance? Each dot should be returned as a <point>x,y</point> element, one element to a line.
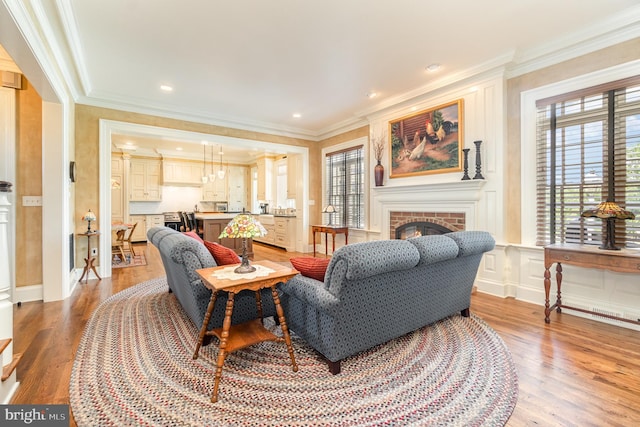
<point>184,221</point>
<point>193,223</point>
<point>127,239</point>
<point>117,245</point>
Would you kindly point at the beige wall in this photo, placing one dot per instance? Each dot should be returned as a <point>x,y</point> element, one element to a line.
<point>87,154</point>
<point>28,256</point>
<point>618,54</point>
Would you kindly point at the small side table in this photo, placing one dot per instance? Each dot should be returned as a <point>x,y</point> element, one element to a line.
<point>329,229</point>
<point>235,337</point>
<point>89,261</point>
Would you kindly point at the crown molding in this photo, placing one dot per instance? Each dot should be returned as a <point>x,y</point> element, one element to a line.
<point>617,29</point>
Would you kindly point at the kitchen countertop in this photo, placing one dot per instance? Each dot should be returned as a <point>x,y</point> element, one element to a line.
<point>276,215</point>
<point>214,215</point>
<point>219,215</point>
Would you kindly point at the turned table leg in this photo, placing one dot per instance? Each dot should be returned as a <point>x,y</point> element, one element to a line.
<point>205,323</point>
<point>547,289</point>
<point>284,327</point>
<point>222,352</point>
<point>559,282</point>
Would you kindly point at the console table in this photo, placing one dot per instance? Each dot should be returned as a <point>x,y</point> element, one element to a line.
<point>589,256</point>
<point>329,229</point>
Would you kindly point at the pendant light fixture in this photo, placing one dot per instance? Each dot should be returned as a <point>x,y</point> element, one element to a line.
<point>212,175</point>
<point>205,178</point>
<point>221,172</point>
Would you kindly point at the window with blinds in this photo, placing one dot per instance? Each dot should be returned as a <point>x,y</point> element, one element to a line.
<point>588,151</point>
<point>344,172</point>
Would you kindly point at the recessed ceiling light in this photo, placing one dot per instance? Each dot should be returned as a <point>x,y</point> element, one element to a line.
<point>129,143</point>
<point>166,88</point>
<point>414,108</point>
<point>179,148</point>
<point>433,67</point>
<point>204,143</point>
<point>371,95</point>
<point>297,115</point>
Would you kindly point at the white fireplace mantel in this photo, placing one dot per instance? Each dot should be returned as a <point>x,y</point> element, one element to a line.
<point>457,196</point>
<point>443,191</point>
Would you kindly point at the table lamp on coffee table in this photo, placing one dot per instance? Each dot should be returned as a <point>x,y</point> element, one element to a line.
<point>243,226</point>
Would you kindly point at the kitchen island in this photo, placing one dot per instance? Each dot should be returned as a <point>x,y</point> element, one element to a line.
<point>212,224</point>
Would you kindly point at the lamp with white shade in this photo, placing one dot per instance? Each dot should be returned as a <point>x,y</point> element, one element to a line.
<point>330,209</point>
<point>89,216</point>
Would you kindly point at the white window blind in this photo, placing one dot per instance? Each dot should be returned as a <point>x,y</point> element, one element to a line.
<point>588,151</point>
<point>344,172</point>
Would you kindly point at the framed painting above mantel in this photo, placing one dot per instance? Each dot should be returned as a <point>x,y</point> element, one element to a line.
<point>427,142</point>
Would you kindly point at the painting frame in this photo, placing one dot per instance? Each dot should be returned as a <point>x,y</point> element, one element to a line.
<point>427,142</point>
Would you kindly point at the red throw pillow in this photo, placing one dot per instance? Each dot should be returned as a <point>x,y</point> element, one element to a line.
<point>222,254</point>
<point>311,267</point>
<point>194,235</point>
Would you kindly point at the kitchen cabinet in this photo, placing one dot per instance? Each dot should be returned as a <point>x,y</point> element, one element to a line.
<point>293,170</point>
<point>285,232</point>
<point>175,172</point>
<point>117,194</point>
<point>281,231</point>
<point>238,188</point>
<point>145,222</point>
<point>154,221</point>
<point>145,180</point>
<point>216,190</point>
<point>268,222</point>
<point>264,168</point>
<point>140,233</point>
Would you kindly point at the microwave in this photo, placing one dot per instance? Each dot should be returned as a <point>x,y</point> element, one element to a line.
<point>221,206</point>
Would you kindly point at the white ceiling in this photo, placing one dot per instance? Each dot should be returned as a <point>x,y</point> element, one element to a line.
<point>252,64</point>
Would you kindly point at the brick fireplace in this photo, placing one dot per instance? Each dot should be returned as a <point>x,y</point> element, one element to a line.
<point>455,206</point>
<point>424,223</point>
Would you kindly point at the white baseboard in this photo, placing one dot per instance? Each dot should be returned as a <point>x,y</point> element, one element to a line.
<point>28,293</point>
<point>8,389</point>
<point>501,290</point>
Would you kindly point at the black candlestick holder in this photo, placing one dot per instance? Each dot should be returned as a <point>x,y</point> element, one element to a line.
<point>465,176</point>
<point>478,174</point>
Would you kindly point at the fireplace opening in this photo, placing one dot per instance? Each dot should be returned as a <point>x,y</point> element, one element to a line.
<point>420,228</point>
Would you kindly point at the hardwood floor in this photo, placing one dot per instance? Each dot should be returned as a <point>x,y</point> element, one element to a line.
<point>572,372</point>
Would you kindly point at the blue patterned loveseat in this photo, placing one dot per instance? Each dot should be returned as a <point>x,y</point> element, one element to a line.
<point>379,290</point>
<point>181,257</point>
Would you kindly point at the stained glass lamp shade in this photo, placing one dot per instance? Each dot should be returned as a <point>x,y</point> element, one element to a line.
<point>243,226</point>
<point>609,211</point>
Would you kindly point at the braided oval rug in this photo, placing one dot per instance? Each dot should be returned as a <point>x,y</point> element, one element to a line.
<point>134,367</point>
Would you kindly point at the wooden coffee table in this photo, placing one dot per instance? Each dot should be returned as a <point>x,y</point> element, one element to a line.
<point>235,337</point>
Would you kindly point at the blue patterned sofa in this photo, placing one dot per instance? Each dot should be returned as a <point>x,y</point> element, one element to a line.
<point>181,257</point>
<point>379,290</point>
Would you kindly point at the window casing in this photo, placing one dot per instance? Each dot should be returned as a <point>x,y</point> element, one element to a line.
<point>588,151</point>
<point>344,174</point>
